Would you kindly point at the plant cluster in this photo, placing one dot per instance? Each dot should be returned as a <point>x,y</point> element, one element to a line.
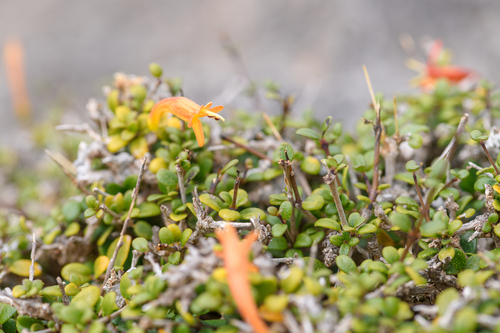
<point>393,227</point>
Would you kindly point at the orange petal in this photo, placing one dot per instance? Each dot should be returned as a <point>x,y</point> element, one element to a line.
<point>451,73</point>
<point>181,107</point>
<point>237,265</point>
<point>198,131</point>
<point>217,109</point>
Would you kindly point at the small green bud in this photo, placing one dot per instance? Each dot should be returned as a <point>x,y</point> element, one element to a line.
<point>272,210</point>
<point>155,69</point>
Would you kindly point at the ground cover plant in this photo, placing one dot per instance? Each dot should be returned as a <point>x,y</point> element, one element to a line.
<point>164,222</point>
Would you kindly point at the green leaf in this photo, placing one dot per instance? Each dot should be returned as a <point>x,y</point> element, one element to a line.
<point>278,230</point>
<point>313,202</point>
<point>326,124</point>
<point>454,226</point>
<point>482,181</point>
<point>89,212</point>
<point>25,323</point>
<point>366,229</point>
<point>124,285</point>
<point>176,231</point>
<point>148,209</point>
<point>478,136</point>
<point>6,311</point>
<point>252,212</point>
<point>475,263</point>
<point>229,215</point>
<point>109,303</point>
<point>10,326</point>
<point>308,133</point>
<point>285,210</point>
<point>166,236</point>
<point>407,201</point>
<point>140,244</point>
<point>185,236</point>
<point>143,229</point>
<point>82,271</point>
<point>174,258</point>
<point>358,163</point>
<point>415,141</point>
<point>122,255</point>
<point>289,151</point>
<point>433,228</point>
<point>278,244</point>
<point>460,174</point>
<point>317,236</point>
<point>400,220</point>
<point>345,264</point>
<point>328,223</point>
<point>355,220</point>
<point>412,166</point>
<point>229,166</point>
<point>303,240</point>
<point>88,295</point>
<point>457,263</point>
<point>427,253</point>
<point>167,177</point>
<point>468,247</point>
<point>413,128</point>
<point>390,254</point>
<point>405,177</point>
<point>213,202</point>
<point>446,252</point>
<point>71,210</point>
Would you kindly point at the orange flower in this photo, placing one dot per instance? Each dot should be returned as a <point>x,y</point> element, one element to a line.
<point>434,71</point>
<point>235,254</point>
<point>186,110</point>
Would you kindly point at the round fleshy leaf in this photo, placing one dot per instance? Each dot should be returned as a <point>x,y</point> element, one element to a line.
<point>345,264</point>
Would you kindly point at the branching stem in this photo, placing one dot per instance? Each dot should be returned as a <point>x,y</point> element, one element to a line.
<point>135,194</point>
<point>423,206</point>
<point>330,180</point>
<point>497,172</point>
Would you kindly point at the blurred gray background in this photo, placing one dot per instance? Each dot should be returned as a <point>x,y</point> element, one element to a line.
<point>314,48</point>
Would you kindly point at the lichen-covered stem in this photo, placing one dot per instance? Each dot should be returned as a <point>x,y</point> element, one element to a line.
<point>330,180</point>
<point>135,194</point>
<point>182,188</point>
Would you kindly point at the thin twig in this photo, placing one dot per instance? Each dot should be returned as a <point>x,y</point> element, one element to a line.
<point>112,316</point>
<point>71,176</point>
<point>413,235</point>
<point>97,190</point>
<point>273,128</point>
<point>235,191</point>
<point>135,194</point>
<point>330,180</point>
<point>378,133</point>
<point>497,172</point>
<point>452,146</point>
<point>65,298</point>
<point>396,118</point>
<point>423,206</point>
<point>32,266</point>
<point>182,188</point>
<point>250,150</point>
<point>83,128</point>
<point>109,211</point>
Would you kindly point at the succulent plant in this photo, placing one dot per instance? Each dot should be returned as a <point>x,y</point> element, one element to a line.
<point>390,227</point>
